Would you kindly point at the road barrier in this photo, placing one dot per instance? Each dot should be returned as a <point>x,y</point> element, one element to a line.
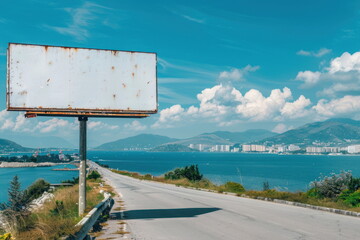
<point>91,218</point>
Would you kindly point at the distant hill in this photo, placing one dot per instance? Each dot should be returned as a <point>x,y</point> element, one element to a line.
<point>173,148</point>
<point>136,143</point>
<point>43,142</point>
<point>216,138</point>
<point>10,146</point>
<point>337,132</point>
<point>244,137</point>
<point>209,139</point>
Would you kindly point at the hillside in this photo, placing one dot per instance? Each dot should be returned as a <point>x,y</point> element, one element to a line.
<point>336,132</point>
<point>42,142</point>
<point>142,141</point>
<point>208,139</point>
<point>244,137</point>
<point>173,148</point>
<point>10,146</point>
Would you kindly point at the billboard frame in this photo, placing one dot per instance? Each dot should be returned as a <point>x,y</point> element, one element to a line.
<point>77,112</point>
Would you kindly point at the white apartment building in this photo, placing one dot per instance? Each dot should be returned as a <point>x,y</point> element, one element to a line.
<point>253,148</point>
<point>246,148</point>
<point>354,149</point>
<point>293,147</point>
<point>314,149</point>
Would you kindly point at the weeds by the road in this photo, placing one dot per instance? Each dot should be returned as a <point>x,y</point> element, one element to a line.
<point>58,215</point>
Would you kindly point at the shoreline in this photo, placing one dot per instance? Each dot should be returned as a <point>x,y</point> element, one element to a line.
<point>27,164</point>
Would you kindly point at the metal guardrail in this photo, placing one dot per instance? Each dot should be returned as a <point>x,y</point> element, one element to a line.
<point>90,219</point>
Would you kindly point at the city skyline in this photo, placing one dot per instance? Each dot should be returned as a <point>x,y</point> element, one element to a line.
<point>229,66</point>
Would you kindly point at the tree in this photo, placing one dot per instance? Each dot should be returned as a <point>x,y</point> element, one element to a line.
<point>16,209</point>
<point>17,201</point>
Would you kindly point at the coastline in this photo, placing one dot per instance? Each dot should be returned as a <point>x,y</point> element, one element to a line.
<point>27,164</point>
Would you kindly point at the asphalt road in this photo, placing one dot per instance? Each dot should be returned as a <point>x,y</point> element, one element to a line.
<point>160,211</point>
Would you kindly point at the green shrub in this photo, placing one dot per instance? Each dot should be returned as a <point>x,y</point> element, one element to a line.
<point>36,189</point>
<point>148,177</point>
<point>94,175</point>
<point>313,193</point>
<point>351,198</point>
<point>190,172</point>
<point>354,184</point>
<point>232,187</point>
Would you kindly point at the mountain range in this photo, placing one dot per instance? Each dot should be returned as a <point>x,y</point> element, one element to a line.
<point>149,141</point>
<point>334,132</point>
<point>142,141</point>
<point>10,146</point>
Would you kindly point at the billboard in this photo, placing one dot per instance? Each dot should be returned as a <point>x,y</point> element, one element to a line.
<point>80,81</point>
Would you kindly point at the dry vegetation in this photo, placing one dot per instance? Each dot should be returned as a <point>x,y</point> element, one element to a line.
<point>59,216</point>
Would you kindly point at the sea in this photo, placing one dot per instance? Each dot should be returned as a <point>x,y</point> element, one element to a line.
<point>282,172</point>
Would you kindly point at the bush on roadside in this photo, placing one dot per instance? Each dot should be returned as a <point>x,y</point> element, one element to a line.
<point>232,187</point>
<point>36,189</point>
<point>354,184</point>
<point>190,172</point>
<point>94,175</point>
<point>332,186</point>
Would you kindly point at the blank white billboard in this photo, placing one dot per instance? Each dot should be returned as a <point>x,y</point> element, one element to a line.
<point>63,79</point>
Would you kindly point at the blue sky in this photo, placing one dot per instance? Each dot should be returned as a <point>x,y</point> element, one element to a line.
<point>223,65</point>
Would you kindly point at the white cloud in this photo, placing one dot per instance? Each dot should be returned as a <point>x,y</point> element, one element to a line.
<point>52,125</point>
<point>81,19</point>
<point>345,105</point>
<point>193,19</point>
<point>321,52</point>
<point>281,128</point>
<point>309,78</point>
<point>99,125</point>
<point>296,109</point>
<point>135,125</point>
<point>345,63</point>
<point>341,77</point>
<point>256,107</point>
<point>7,124</point>
<point>237,74</point>
<point>226,106</point>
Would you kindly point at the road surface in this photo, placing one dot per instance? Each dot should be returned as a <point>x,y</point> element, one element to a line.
<point>161,211</point>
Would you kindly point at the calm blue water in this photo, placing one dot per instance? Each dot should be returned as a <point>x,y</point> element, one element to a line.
<point>29,175</point>
<point>284,172</point>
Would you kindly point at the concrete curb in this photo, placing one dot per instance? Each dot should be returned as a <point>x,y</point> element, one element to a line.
<point>325,209</point>
<point>297,204</point>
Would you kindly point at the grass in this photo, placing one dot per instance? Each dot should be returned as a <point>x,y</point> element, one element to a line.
<point>302,197</point>
<point>231,187</point>
<point>59,216</point>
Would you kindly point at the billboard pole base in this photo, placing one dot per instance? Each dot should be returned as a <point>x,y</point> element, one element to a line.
<point>82,168</point>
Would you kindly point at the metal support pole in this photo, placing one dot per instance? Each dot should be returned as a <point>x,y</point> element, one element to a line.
<point>82,168</point>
